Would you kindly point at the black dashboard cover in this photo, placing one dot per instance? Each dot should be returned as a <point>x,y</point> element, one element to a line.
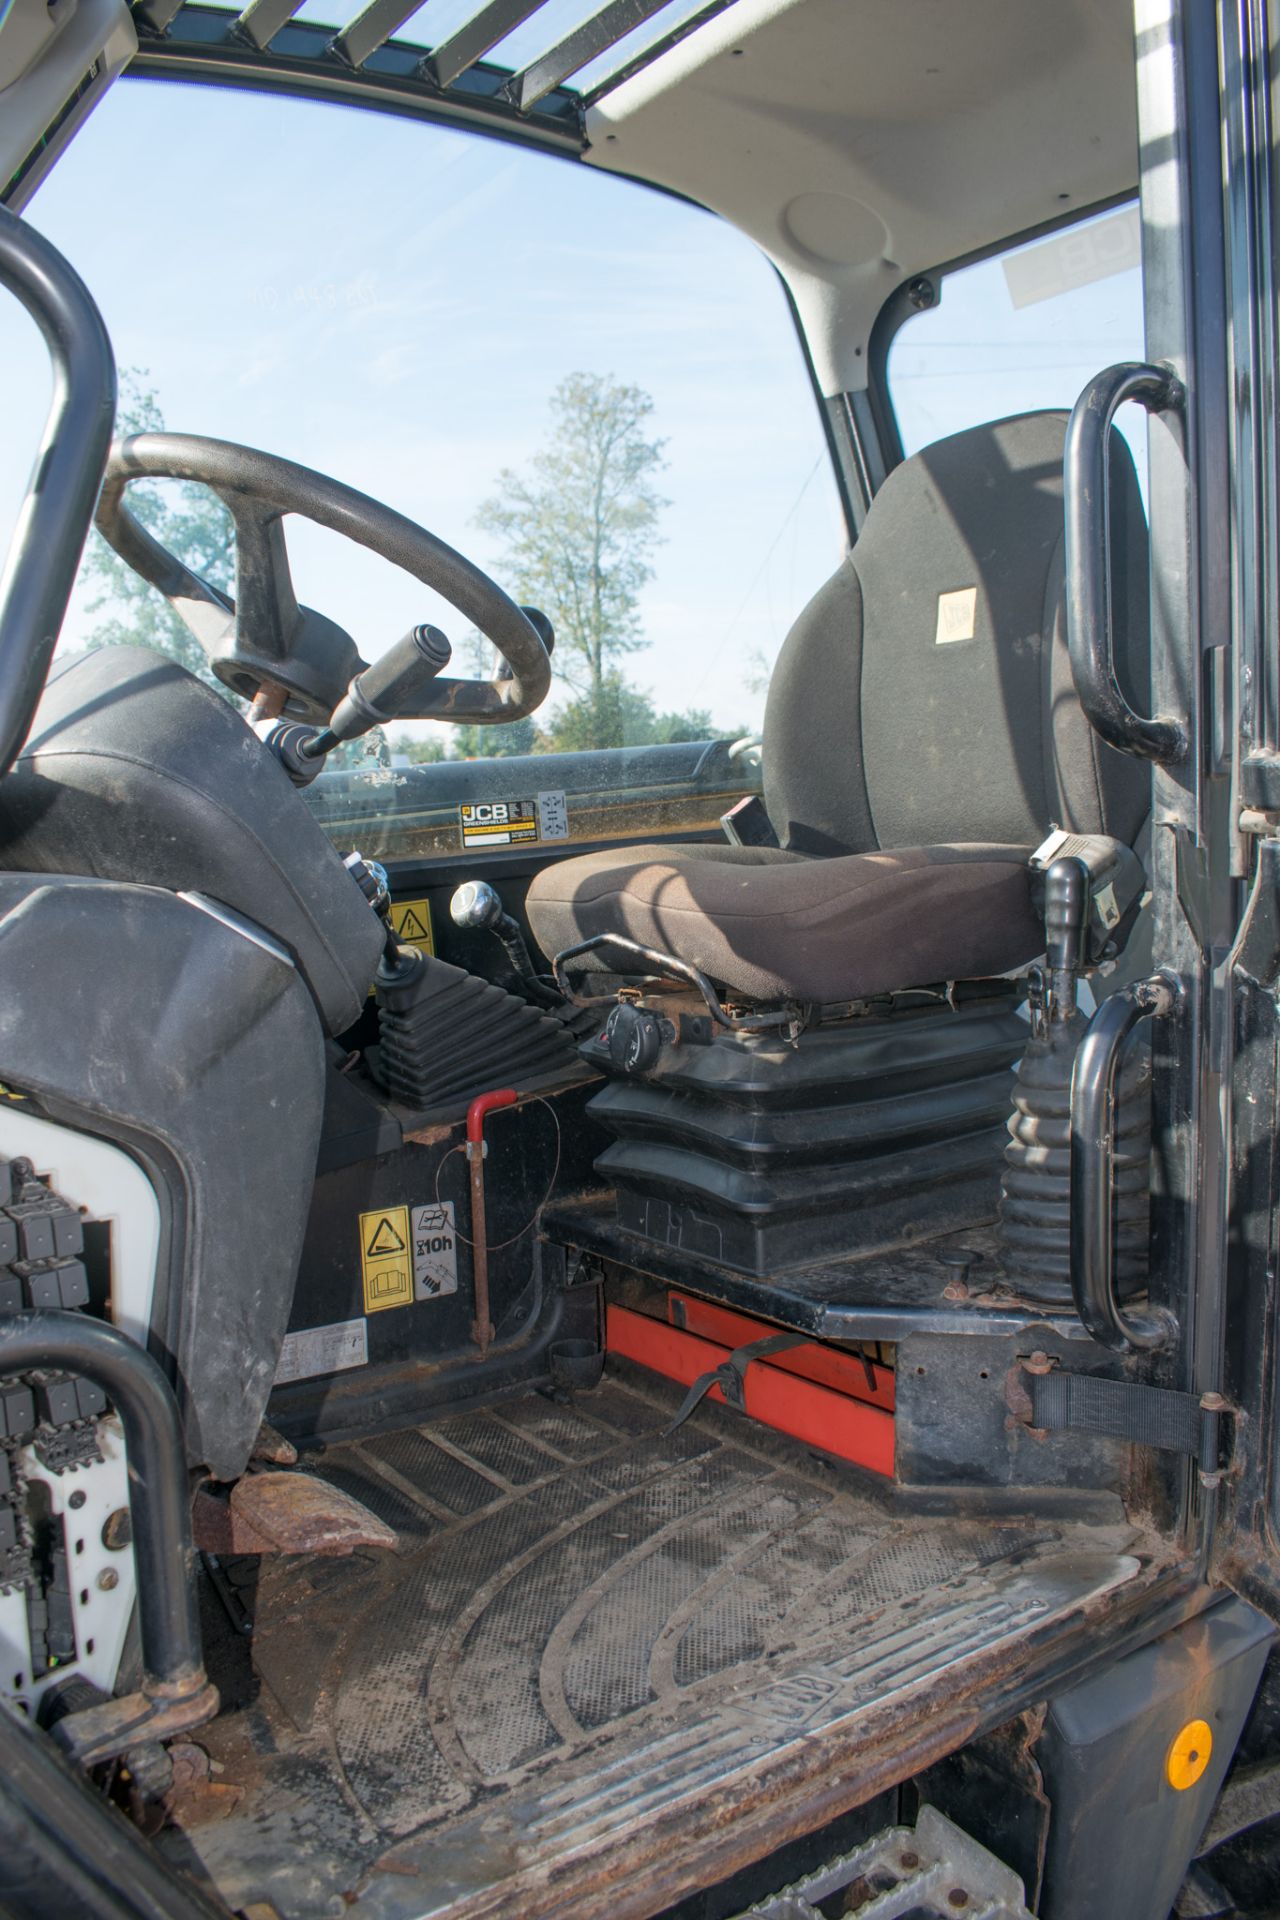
<point>193,1044</point>
<point>134,771</point>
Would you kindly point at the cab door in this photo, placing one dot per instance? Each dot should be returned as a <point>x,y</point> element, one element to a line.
<point>1228,879</point>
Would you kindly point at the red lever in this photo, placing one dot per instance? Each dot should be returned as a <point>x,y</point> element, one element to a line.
<point>485,1103</point>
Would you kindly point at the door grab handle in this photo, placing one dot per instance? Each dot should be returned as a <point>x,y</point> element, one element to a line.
<point>57,513</point>
<point>1090,639</point>
<point>1093,1098</point>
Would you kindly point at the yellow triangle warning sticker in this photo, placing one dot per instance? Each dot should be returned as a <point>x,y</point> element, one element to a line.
<point>385,1265</point>
<point>384,1239</point>
<point>411,921</point>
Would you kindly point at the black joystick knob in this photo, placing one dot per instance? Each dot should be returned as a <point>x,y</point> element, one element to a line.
<point>634,1037</point>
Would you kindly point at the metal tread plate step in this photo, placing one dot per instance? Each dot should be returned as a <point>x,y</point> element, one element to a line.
<point>606,1663</point>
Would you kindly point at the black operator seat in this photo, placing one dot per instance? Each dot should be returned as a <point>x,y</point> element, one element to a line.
<point>922,735</point>
<point>134,771</point>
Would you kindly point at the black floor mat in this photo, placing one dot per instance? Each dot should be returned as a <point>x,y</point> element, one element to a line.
<point>567,1580</point>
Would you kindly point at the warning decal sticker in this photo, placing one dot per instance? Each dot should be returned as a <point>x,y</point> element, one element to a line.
<point>513,823</point>
<point>411,920</point>
<point>385,1262</point>
<point>498,823</point>
<point>553,815</point>
<point>435,1251</point>
<point>316,1350</point>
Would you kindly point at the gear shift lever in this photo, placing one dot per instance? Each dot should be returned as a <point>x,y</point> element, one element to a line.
<point>475,904</point>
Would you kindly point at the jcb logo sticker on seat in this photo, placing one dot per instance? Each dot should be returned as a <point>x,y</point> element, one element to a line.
<point>386,1262</point>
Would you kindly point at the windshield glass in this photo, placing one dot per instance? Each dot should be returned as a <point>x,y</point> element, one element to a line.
<point>491,340</point>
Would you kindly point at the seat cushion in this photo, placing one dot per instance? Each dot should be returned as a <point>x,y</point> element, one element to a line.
<point>776,925</point>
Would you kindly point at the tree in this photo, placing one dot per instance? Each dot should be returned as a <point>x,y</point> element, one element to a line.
<point>630,716</point>
<point>190,521</point>
<point>614,715</point>
<point>671,728</point>
<point>578,530</point>
<point>419,753</point>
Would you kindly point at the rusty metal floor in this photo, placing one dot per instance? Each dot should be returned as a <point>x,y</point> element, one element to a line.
<point>601,1662</point>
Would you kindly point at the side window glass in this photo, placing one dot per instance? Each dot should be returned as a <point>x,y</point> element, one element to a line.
<point>1023,330</point>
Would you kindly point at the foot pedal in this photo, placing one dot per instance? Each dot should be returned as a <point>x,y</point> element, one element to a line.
<point>286,1513</point>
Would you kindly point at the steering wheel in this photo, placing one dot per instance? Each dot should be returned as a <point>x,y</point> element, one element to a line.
<point>263,639</point>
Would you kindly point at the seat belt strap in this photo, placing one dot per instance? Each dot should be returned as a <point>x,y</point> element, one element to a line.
<point>730,1376</point>
<point>1149,1416</point>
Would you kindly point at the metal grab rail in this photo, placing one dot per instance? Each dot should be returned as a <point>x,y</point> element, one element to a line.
<point>54,522</point>
<point>1092,1227</point>
<point>1088,559</point>
<point>162,1544</point>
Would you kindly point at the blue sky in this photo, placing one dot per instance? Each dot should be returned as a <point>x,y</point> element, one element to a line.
<point>393,303</point>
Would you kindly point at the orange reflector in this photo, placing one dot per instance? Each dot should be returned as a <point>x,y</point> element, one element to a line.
<point>817,1415</point>
<point>1189,1755</point>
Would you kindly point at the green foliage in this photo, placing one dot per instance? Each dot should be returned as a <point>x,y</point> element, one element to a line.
<point>577,530</point>
<point>697,724</point>
<point>188,520</point>
<point>624,716</point>
<point>494,743</point>
<point>419,753</point>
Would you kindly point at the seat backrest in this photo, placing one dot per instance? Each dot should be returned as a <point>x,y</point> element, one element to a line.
<point>924,696</point>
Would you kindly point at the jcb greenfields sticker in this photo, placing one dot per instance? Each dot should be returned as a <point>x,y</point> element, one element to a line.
<point>513,823</point>
<point>498,823</point>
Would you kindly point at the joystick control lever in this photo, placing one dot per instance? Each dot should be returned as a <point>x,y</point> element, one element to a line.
<point>475,905</point>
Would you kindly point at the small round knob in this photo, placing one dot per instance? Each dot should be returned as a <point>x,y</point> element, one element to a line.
<point>634,1037</point>
<point>475,904</point>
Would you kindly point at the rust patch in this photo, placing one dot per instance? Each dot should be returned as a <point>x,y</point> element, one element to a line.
<point>1018,1401</point>
<point>286,1513</point>
<point>273,1447</point>
<point>202,1801</point>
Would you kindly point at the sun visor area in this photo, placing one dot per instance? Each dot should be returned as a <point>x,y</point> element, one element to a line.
<point>860,144</point>
<point>56,62</point>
